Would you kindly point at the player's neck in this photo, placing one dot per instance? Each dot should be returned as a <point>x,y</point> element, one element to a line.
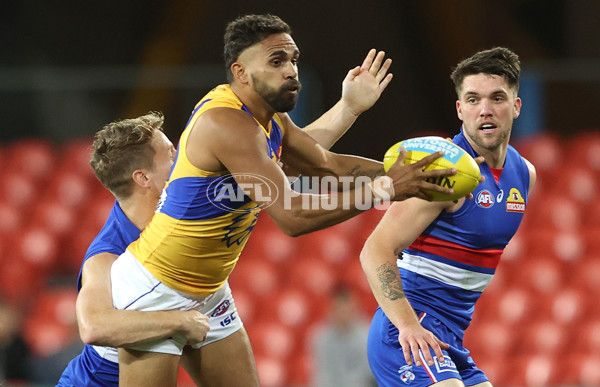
<point>139,209</point>
<point>260,110</point>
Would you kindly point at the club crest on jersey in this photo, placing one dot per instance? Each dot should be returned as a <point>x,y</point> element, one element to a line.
<point>515,201</point>
<point>406,374</point>
<point>221,309</point>
<point>485,199</point>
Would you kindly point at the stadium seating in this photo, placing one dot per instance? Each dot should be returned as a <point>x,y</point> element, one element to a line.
<point>537,323</point>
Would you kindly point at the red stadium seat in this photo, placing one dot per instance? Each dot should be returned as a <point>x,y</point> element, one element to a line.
<point>541,274</point>
<point>46,337</point>
<point>587,370</point>
<point>581,184</point>
<point>69,188</point>
<point>33,158</point>
<point>524,370</point>
<point>585,275</point>
<point>299,374</point>
<point>17,190</point>
<point>256,276</point>
<point>293,307</point>
<point>57,304</point>
<point>55,217</point>
<point>543,337</point>
<point>75,157</point>
<point>512,307</point>
<point>271,371</point>
<point>586,146</point>
<point>544,150</point>
<point>11,219</point>
<point>39,247</point>
<point>274,340</point>
<point>570,306</point>
<point>489,339</point>
<point>312,275</point>
<point>586,338</point>
<point>20,280</point>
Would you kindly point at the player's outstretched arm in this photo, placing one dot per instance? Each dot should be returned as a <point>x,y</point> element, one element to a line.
<point>361,89</point>
<point>101,324</point>
<point>225,138</point>
<point>303,154</point>
<point>399,227</point>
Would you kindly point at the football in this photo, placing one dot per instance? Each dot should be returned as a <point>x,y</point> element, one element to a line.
<point>468,173</point>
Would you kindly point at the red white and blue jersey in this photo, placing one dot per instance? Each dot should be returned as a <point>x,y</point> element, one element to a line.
<point>447,267</point>
<point>98,366</point>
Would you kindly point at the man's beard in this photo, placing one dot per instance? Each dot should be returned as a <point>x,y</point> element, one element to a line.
<point>280,100</point>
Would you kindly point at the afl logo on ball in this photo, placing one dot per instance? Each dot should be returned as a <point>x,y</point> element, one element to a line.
<point>221,309</point>
<point>485,199</point>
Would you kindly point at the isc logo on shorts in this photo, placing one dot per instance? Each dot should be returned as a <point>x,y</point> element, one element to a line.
<point>221,309</point>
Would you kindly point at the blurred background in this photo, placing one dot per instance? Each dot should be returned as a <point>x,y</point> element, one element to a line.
<point>68,68</point>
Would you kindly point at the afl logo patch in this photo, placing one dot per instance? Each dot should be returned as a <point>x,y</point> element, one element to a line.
<point>485,199</point>
<point>221,309</point>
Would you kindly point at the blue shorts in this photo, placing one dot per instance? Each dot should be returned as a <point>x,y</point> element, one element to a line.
<point>90,369</point>
<point>390,369</point>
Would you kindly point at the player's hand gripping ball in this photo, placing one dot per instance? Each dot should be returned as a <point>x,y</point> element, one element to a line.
<point>468,173</point>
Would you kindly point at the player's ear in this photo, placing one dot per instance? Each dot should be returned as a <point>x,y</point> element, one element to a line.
<point>239,72</point>
<point>517,107</point>
<point>139,177</point>
<point>459,110</point>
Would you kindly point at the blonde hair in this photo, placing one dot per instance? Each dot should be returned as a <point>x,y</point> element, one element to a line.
<point>123,146</point>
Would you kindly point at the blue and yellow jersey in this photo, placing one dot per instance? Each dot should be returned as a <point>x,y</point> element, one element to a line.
<point>203,219</point>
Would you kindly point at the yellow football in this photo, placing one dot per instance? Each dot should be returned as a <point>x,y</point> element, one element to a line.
<point>468,173</point>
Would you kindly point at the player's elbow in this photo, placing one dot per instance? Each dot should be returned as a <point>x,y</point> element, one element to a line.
<point>89,334</point>
<point>92,333</point>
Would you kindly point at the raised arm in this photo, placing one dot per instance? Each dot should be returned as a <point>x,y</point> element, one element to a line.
<point>399,227</point>
<point>101,324</point>
<point>361,88</point>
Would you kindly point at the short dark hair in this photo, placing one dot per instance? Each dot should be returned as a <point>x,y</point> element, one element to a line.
<point>496,61</point>
<point>123,146</point>
<point>246,31</point>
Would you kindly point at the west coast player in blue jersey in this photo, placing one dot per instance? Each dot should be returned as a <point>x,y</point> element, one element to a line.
<point>133,158</point>
<point>234,141</point>
<point>428,262</point>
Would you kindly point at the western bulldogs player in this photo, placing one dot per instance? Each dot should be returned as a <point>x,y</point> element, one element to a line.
<point>428,262</point>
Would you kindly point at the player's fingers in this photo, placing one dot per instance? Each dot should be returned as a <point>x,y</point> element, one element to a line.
<point>426,353</point>
<point>401,156</point>
<point>479,159</point>
<point>414,348</point>
<point>437,350</point>
<point>366,64</point>
<point>376,65</point>
<point>438,172</point>
<point>437,188</point>
<point>425,161</point>
<point>442,344</point>
<point>386,81</point>
<point>407,356</point>
<point>383,70</point>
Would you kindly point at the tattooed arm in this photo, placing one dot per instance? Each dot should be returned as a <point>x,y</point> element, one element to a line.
<point>399,227</point>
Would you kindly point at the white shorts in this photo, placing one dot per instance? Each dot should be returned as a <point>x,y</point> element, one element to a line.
<point>135,288</point>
